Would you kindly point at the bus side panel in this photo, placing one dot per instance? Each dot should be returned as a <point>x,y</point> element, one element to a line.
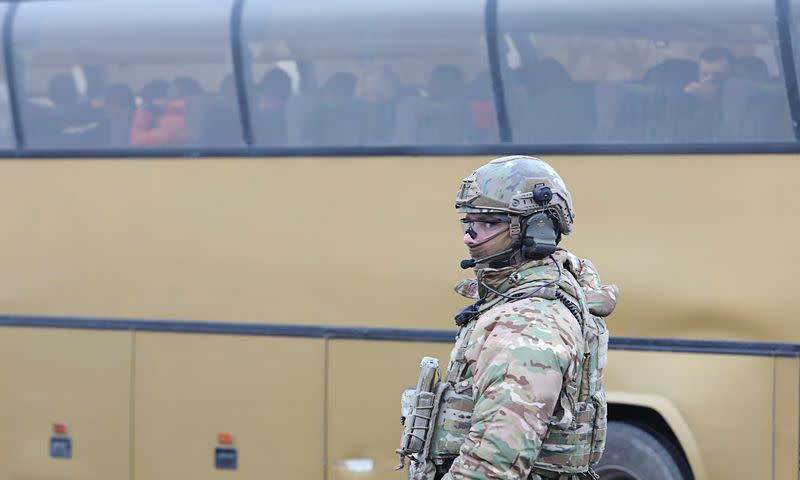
<point>721,398</point>
<point>787,418</point>
<point>231,239</point>
<point>81,379</point>
<point>366,379</point>
<point>267,392</point>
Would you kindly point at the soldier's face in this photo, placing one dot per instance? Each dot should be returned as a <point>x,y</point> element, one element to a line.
<point>480,227</point>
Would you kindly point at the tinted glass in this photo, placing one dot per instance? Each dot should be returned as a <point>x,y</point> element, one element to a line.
<point>587,71</point>
<point>138,73</point>
<point>6,127</point>
<point>345,73</point>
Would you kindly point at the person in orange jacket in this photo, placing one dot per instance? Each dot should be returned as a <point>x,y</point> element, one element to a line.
<point>159,121</point>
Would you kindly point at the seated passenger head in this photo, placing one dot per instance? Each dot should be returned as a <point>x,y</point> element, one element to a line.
<point>542,75</point>
<point>154,93</point>
<point>445,81</point>
<point>62,90</point>
<point>672,73</point>
<point>185,87</point>
<point>378,85</point>
<point>274,89</point>
<point>751,68</point>
<point>716,64</point>
<point>341,85</point>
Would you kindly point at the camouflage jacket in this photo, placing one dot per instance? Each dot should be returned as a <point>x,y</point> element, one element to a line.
<point>518,357</point>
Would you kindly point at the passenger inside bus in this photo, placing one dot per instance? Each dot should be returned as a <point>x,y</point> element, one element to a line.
<point>554,108</point>
<point>702,105</point>
<point>755,104</point>
<point>96,86</point>
<point>378,92</point>
<point>672,101</point>
<point>647,110</point>
<point>752,68</point>
<point>188,98</point>
<point>161,118</point>
<point>332,122</point>
<point>221,120</point>
<point>119,106</point>
<point>731,100</point>
<point>438,114</point>
<point>66,120</point>
<point>483,116</point>
<point>269,117</point>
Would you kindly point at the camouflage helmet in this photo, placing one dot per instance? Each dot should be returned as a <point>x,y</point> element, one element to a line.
<point>505,185</point>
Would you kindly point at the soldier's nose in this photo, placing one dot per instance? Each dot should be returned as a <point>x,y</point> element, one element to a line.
<point>468,239</point>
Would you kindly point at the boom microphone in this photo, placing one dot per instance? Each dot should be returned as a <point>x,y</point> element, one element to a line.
<point>469,263</point>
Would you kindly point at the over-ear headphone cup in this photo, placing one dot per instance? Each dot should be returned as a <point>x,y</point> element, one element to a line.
<point>540,237</point>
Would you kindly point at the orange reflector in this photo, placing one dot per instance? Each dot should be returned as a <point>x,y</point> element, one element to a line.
<point>225,438</point>
<point>60,428</point>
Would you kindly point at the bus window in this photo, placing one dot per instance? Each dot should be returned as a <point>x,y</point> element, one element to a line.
<point>583,71</point>
<point>6,128</point>
<point>368,73</point>
<point>142,73</point>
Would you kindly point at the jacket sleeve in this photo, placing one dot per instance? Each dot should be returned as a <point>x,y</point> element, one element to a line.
<point>145,132</point>
<point>520,360</point>
<point>142,120</point>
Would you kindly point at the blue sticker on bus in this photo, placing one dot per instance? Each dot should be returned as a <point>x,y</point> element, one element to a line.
<point>60,447</point>
<point>225,458</point>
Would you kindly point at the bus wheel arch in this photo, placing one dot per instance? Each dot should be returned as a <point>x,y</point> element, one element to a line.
<point>636,452</point>
<point>660,418</point>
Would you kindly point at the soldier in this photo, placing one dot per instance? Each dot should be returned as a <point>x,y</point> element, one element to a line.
<point>522,397</point>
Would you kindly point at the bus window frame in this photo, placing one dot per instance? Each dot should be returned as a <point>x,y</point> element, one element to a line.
<point>495,70</point>
<point>11,78</point>
<point>240,67</point>
<point>412,151</point>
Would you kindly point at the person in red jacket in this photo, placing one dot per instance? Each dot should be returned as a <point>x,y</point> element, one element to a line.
<point>159,121</point>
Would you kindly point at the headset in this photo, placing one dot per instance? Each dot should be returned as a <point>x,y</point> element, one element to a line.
<point>540,233</point>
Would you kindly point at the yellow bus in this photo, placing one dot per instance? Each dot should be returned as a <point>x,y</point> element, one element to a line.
<point>228,227</point>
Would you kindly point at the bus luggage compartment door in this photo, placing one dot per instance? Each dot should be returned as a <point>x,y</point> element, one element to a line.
<point>365,381</point>
<point>65,397</point>
<point>228,406</point>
